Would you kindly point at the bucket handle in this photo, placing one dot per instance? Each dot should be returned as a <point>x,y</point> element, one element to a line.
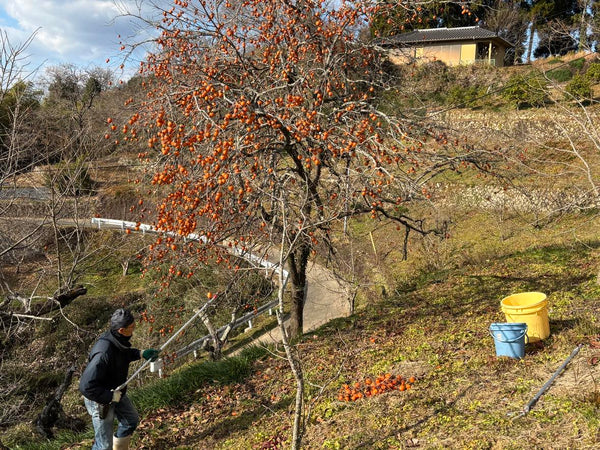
<point>514,340</point>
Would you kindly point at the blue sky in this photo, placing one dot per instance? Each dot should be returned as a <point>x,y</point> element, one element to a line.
<point>81,32</point>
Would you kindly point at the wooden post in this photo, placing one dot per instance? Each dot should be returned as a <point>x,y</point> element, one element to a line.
<point>373,243</point>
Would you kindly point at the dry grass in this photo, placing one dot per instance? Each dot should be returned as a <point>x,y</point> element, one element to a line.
<point>432,325</point>
<point>427,317</point>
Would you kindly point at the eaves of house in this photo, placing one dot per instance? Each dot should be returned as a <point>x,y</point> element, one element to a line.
<point>438,35</point>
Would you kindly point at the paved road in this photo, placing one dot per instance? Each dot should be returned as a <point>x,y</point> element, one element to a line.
<point>326,299</point>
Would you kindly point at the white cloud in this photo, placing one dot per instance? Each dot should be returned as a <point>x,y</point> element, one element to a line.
<point>81,32</point>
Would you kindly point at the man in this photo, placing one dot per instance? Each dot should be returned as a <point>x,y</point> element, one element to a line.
<point>108,365</point>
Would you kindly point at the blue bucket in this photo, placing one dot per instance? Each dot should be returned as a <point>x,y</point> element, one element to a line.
<point>509,339</point>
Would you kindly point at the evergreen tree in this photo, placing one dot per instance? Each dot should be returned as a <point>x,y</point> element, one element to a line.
<point>593,25</point>
<point>510,20</point>
<point>17,104</point>
<point>436,14</point>
<point>553,21</point>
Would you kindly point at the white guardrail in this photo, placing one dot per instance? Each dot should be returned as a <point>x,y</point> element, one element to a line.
<point>192,347</point>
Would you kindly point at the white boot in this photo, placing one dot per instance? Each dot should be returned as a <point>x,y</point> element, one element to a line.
<point>121,443</point>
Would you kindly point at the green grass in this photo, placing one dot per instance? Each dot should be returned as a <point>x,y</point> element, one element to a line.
<point>177,387</point>
<point>433,325</point>
<point>577,63</point>
<point>559,75</point>
<point>167,392</point>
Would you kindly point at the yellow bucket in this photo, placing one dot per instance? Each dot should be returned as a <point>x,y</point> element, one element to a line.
<point>530,308</point>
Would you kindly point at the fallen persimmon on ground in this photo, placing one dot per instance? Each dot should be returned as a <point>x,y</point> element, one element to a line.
<point>370,387</point>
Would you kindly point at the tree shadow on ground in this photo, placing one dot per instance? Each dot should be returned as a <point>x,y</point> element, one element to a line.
<point>459,292</point>
<point>224,428</point>
<point>444,406</point>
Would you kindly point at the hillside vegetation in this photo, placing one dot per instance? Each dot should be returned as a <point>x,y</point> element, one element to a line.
<point>530,225</point>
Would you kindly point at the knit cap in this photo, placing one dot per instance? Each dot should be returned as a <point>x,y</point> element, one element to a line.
<point>121,318</point>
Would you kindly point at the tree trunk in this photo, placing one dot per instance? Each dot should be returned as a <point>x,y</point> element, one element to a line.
<point>214,346</point>
<point>583,44</point>
<point>298,263</point>
<point>530,45</point>
<point>125,266</point>
<point>53,413</point>
<point>59,300</point>
<point>63,299</point>
<point>298,430</point>
<point>295,363</point>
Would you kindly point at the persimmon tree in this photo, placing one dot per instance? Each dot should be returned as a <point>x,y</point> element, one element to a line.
<point>265,129</point>
<point>264,112</point>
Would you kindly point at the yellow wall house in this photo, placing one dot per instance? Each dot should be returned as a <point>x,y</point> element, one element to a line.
<point>453,46</point>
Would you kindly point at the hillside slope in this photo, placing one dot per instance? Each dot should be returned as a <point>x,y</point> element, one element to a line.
<point>532,229</point>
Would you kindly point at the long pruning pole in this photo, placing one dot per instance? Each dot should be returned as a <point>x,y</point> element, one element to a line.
<point>548,383</point>
<point>162,347</point>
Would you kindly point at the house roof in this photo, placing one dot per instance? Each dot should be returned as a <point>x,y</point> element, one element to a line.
<point>433,35</point>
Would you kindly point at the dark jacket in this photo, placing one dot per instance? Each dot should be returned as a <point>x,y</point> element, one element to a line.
<point>108,365</point>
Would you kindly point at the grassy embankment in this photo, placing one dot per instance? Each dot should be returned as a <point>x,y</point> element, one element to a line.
<point>427,317</point>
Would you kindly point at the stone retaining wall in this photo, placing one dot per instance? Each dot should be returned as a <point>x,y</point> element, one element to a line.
<point>532,125</point>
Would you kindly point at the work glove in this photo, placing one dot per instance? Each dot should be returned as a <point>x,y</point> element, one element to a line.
<point>116,398</point>
<point>150,354</point>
